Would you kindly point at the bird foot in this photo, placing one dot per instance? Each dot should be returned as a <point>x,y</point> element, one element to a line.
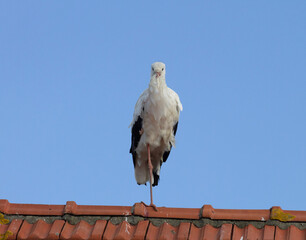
<point>151,205</point>
<point>154,207</point>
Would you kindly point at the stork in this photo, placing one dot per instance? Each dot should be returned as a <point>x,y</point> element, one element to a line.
<point>154,126</point>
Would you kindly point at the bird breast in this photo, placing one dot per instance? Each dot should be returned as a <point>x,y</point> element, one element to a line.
<point>160,115</point>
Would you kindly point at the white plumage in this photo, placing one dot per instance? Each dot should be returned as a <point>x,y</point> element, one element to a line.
<point>154,124</point>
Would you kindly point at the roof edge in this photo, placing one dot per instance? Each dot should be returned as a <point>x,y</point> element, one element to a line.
<point>140,209</point>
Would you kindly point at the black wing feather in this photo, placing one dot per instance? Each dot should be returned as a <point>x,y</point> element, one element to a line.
<point>156,179</point>
<point>135,137</point>
<point>166,153</point>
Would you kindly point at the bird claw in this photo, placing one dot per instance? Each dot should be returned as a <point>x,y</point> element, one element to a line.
<point>154,207</point>
<point>151,205</point>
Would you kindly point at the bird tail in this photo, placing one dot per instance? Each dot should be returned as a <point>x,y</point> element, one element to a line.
<point>141,173</point>
<point>155,178</point>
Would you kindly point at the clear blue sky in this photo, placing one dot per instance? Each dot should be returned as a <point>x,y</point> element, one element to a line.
<point>71,72</point>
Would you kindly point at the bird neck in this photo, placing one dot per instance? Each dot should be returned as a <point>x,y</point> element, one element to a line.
<point>157,84</point>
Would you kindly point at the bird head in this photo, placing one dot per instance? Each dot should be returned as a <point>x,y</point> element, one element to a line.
<point>158,69</point>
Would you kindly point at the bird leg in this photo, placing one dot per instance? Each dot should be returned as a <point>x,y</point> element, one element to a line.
<point>151,177</point>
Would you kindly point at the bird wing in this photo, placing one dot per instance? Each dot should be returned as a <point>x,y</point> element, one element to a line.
<point>139,106</point>
<point>166,153</point>
<point>179,107</point>
<point>136,123</point>
<point>176,98</point>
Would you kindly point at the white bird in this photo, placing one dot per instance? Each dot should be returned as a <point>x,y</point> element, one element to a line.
<point>154,126</point>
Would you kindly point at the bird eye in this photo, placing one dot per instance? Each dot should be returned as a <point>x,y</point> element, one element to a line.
<point>162,69</point>
<point>153,69</point>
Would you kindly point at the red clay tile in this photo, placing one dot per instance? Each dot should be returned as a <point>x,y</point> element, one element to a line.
<point>269,232</point>
<point>123,231</point>
<point>40,230</point>
<point>225,231</point>
<point>4,203</point>
<point>183,213</point>
<point>209,232</point>
<point>295,233</point>
<point>195,232</point>
<point>183,231</point>
<point>287,215</point>
<point>110,231</point>
<point>30,209</point>
<point>70,207</point>
<point>235,214</point>
<point>13,227</point>
<point>57,210</point>
<point>73,208</point>
<point>25,230</point>
<point>104,210</point>
<point>168,232</point>
<point>82,230</point>
<point>291,233</point>
<point>238,233</point>
<point>252,233</point>
<point>281,234</point>
<point>98,230</point>
<point>126,231</point>
<point>141,230</point>
<point>56,229</point>
<point>242,233</point>
<point>163,232</point>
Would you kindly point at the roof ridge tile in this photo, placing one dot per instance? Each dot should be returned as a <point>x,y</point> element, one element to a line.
<point>235,214</point>
<point>70,207</point>
<point>4,205</point>
<point>139,209</point>
<point>30,209</point>
<point>75,209</point>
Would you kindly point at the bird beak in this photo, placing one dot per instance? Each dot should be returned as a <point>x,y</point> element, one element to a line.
<point>158,74</point>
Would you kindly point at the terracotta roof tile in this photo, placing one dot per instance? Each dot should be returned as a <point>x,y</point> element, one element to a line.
<point>40,230</point>
<point>73,221</point>
<point>82,230</point>
<point>183,231</point>
<point>126,231</point>
<point>73,208</point>
<point>141,230</point>
<point>209,232</point>
<point>13,227</point>
<point>286,216</point>
<point>291,233</point>
<point>184,213</point>
<point>268,232</point>
<point>251,232</point>
<point>163,232</point>
<point>30,209</point>
<point>234,214</point>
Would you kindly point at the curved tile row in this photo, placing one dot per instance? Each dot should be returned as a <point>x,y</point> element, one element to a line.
<point>103,229</point>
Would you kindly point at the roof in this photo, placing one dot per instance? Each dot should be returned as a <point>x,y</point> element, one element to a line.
<point>73,221</point>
